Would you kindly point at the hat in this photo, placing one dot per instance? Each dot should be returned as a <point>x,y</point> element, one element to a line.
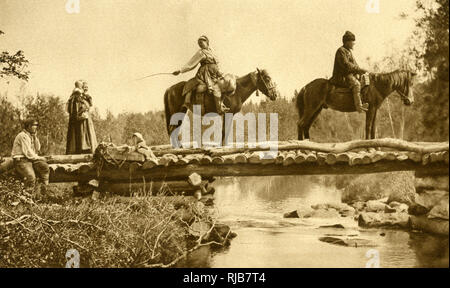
<point>348,36</point>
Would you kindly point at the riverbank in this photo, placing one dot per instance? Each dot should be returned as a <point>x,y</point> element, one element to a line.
<point>105,230</point>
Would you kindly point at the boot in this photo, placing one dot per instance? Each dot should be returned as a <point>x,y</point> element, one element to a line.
<point>187,102</point>
<point>360,107</point>
<point>220,107</point>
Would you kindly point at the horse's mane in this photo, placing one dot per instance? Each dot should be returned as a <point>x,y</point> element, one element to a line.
<point>398,79</point>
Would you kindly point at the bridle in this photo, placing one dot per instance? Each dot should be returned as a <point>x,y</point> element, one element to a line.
<point>404,94</point>
<point>269,88</point>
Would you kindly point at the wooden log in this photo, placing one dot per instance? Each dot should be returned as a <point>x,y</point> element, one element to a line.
<point>437,157</point>
<point>377,156</point>
<point>311,157</point>
<point>69,159</point>
<point>205,160</point>
<point>354,159</point>
<point>391,156</point>
<point>289,159</point>
<point>6,164</point>
<point>255,158</point>
<point>150,188</point>
<point>280,157</point>
<point>193,158</point>
<point>366,158</point>
<point>241,158</point>
<point>175,172</point>
<point>321,158</point>
<point>182,161</point>
<point>218,160</point>
<point>149,164</point>
<point>416,157</point>
<point>331,159</point>
<point>343,158</point>
<point>229,159</point>
<point>426,159</point>
<point>300,157</point>
<point>345,147</point>
<point>402,157</point>
<point>168,159</point>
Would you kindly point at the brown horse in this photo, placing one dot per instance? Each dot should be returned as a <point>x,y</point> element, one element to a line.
<point>259,80</point>
<point>315,96</point>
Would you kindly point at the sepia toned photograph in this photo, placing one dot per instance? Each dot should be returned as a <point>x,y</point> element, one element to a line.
<point>227,134</point>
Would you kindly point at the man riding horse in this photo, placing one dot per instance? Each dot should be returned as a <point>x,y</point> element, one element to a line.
<point>345,69</point>
<point>208,79</point>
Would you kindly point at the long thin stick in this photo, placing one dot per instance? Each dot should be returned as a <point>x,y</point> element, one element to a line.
<point>156,74</point>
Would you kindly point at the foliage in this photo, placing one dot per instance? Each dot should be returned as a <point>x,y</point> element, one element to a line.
<point>110,232</point>
<point>49,110</point>
<point>434,23</point>
<point>10,125</point>
<point>13,65</point>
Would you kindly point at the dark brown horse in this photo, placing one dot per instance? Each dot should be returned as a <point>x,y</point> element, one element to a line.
<point>315,96</point>
<point>245,86</point>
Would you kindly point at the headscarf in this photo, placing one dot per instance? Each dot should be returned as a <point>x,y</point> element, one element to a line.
<point>203,37</point>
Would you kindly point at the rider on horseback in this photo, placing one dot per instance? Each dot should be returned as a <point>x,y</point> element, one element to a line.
<point>207,75</point>
<point>345,70</point>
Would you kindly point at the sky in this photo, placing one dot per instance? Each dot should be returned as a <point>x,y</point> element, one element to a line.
<point>111,43</point>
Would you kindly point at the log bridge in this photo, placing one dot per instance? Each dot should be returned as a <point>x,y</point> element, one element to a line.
<point>291,158</point>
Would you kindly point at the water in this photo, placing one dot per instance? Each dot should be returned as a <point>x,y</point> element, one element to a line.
<point>254,209</point>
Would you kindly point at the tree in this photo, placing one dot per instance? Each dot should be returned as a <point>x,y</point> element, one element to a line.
<point>434,25</point>
<point>49,110</point>
<point>13,65</point>
<point>10,125</point>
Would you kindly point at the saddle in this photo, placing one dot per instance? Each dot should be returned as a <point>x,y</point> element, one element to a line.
<point>227,86</point>
<point>334,89</point>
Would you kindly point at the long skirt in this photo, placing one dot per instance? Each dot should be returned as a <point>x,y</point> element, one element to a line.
<point>81,138</point>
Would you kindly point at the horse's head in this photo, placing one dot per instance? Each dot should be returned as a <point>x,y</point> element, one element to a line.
<point>405,90</point>
<point>266,85</point>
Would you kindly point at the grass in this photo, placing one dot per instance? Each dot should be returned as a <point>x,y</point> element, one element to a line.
<point>108,232</point>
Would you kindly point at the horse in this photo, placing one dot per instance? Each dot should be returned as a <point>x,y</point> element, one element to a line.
<point>259,80</point>
<point>316,96</point>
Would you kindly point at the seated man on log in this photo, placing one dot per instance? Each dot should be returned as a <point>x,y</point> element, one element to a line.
<point>345,69</point>
<point>28,164</point>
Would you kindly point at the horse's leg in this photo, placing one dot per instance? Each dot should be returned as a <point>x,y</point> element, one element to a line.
<point>369,119</point>
<point>374,125</point>
<point>311,121</point>
<point>224,134</point>
<point>300,128</point>
<point>303,124</point>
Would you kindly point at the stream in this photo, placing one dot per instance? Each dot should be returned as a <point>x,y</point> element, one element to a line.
<point>254,206</point>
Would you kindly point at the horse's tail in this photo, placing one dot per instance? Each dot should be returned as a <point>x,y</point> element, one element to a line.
<point>167,110</point>
<point>301,101</point>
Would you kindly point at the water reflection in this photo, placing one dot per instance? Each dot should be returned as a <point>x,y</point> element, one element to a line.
<point>254,206</point>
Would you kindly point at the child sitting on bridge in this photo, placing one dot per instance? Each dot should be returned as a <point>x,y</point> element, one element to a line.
<point>140,146</point>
